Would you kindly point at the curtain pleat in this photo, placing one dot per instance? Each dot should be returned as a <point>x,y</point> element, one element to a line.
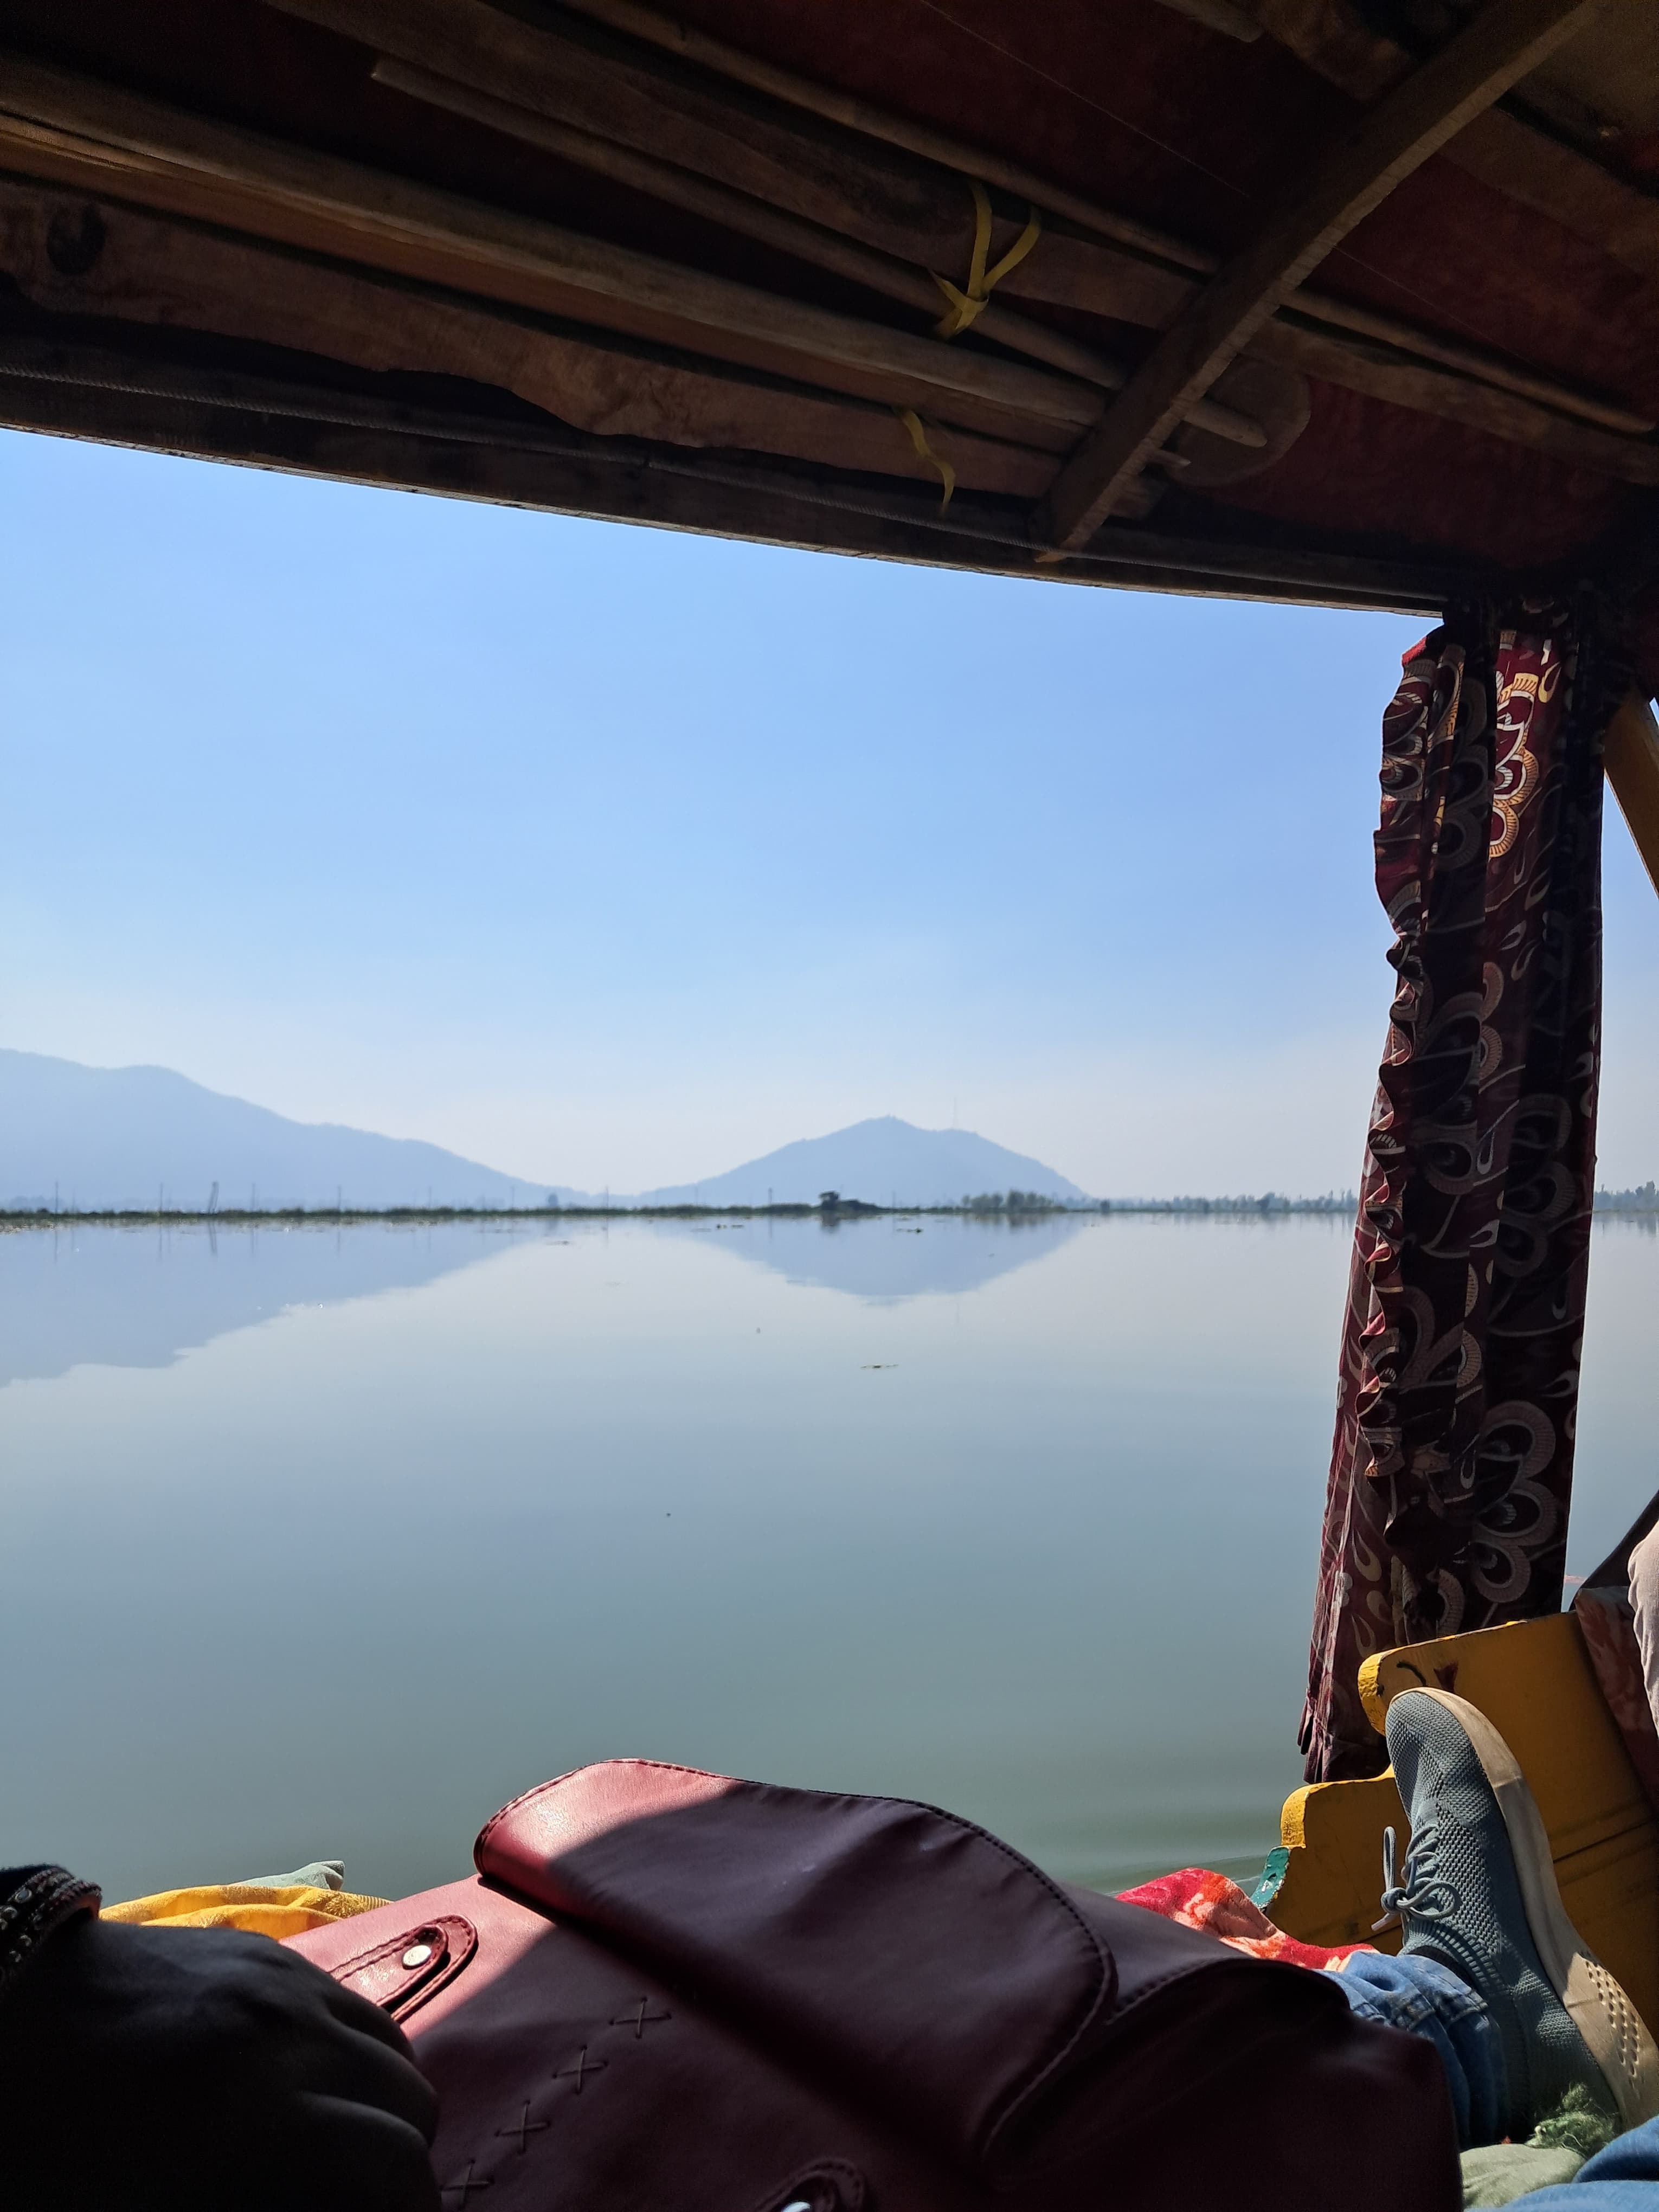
<point>1451,1467</point>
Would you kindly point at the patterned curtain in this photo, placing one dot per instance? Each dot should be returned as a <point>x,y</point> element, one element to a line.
<point>1451,1469</point>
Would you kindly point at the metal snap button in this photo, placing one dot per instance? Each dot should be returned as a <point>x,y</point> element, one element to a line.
<point>417,1955</point>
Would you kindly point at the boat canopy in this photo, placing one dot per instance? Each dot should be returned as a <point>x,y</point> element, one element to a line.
<point>1345,301</point>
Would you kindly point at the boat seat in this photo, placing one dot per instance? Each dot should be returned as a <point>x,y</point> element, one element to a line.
<point>1533,1681</point>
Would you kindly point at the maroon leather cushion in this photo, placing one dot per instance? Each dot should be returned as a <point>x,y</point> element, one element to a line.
<point>672,1988</point>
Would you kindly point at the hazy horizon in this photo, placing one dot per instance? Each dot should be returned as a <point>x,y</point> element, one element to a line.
<point>616,855</point>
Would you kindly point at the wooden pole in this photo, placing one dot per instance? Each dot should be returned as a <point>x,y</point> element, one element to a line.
<point>863,116</point>
<point>808,241</point>
<point>145,150</point>
<point>1514,404</point>
<point>1632,761</point>
<point>671,36</point>
<point>151,270</point>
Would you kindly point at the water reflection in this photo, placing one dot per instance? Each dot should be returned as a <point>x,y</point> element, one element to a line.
<point>139,1298</point>
<point>886,1260</point>
<point>430,1517</point>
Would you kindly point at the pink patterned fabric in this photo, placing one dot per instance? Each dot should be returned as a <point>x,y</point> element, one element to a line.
<point>1607,1621</point>
<point>1451,1469</point>
<point>1198,1899</point>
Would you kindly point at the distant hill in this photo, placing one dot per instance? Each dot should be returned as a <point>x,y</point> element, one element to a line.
<point>877,1161</point>
<point>93,1137</point>
<point>117,1136</point>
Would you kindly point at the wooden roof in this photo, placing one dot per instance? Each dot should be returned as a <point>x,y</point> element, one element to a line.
<point>1347,301</point>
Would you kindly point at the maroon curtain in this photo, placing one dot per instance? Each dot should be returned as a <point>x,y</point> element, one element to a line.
<point>1451,1469</point>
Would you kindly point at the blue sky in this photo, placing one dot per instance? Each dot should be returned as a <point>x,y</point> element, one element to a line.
<point>611,856</point>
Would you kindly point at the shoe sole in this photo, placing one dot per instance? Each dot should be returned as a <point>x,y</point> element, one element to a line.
<point>1614,2031</point>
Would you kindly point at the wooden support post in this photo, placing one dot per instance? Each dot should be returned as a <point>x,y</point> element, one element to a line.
<point>1507,40</point>
<point>1633,758</point>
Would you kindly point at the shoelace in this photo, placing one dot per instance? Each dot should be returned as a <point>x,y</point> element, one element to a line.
<point>1402,1901</point>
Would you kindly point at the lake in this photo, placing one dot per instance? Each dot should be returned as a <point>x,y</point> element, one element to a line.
<point>326,1543</point>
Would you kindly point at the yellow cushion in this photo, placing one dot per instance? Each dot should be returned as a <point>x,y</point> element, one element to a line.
<point>252,1907</point>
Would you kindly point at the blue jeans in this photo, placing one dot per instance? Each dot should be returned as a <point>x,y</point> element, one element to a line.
<point>1428,1999</point>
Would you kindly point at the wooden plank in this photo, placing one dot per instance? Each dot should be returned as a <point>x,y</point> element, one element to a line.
<point>1072,271</point>
<point>807,241</point>
<point>1484,404</point>
<point>827,101</point>
<point>1333,37</point>
<point>879,194</point>
<point>1632,760</point>
<point>153,270</point>
<point>844,186</point>
<point>1333,1880</point>
<point>1554,181</point>
<point>84,391</point>
<point>1502,149</point>
<point>138,147</point>
<point>1382,374</point>
<point>1506,40</point>
<point>1339,321</point>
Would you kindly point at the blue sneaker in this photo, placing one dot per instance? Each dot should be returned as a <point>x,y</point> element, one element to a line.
<point>1479,1894</point>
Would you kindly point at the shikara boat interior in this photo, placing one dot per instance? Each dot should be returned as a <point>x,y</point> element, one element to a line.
<point>1345,303</point>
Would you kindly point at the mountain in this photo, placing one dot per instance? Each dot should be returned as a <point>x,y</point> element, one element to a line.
<point>119,1136</point>
<point>112,1136</point>
<point>877,1161</point>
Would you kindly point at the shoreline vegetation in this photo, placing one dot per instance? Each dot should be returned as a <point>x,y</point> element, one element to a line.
<point>831,1207</point>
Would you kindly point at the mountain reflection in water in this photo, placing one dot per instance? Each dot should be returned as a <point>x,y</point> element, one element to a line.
<point>79,1297</point>
<point>138,1297</point>
<point>902,1257</point>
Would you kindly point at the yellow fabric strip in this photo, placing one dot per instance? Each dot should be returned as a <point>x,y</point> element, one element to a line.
<point>250,1906</point>
<point>966,307</point>
<point>947,475</point>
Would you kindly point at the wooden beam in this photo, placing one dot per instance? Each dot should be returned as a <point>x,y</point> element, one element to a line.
<point>1632,760</point>
<point>1379,373</point>
<point>884,273</point>
<point>834,106</point>
<point>856,185</point>
<point>1505,150</point>
<point>564,68</point>
<point>1482,392</point>
<point>162,156</point>
<point>1072,271</point>
<point>1508,39</point>
<point>155,271</point>
<point>1563,186</point>
<point>81,392</point>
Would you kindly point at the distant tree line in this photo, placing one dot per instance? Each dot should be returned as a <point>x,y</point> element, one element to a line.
<point>1013,1201</point>
<point>1644,1199</point>
<point>1271,1201</point>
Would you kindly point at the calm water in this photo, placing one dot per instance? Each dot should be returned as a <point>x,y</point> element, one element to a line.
<point>323,1543</point>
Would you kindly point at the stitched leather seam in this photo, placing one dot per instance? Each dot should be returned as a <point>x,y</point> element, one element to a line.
<point>1045,2066</point>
